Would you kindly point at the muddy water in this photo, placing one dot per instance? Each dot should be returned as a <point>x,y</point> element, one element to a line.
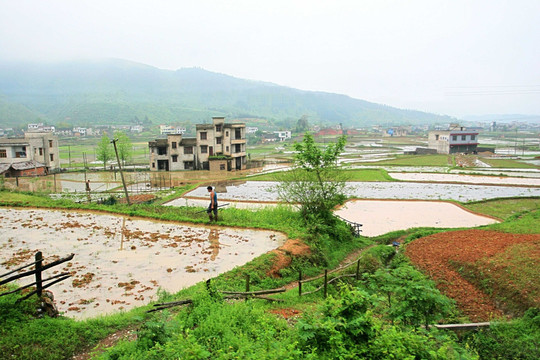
<point>120,262</point>
<point>381,217</point>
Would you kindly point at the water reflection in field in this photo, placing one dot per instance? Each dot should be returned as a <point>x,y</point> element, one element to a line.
<point>121,262</point>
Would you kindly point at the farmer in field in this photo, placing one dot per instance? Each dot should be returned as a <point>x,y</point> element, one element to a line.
<point>213,207</point>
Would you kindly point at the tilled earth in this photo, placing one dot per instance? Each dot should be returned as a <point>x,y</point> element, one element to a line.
<point>438,254</point>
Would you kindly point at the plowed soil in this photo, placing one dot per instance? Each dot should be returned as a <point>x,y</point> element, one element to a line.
<point>435,254</point>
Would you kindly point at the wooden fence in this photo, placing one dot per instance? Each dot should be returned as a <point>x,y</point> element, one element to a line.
<point>355,227</point>
<point>39,268</point>
<point>260,294</point>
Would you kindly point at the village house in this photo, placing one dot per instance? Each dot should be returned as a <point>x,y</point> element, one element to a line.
<point>218,146</point>
<point>282,135</point>
<point>35,154</point>
<point>457,139</point>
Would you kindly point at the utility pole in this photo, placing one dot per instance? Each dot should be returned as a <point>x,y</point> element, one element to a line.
<point>120,169</point>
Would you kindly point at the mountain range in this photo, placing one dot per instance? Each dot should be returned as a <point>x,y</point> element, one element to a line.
<point>122,92</point>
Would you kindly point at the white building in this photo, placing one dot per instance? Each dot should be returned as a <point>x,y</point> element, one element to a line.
<point>456,140</point>
<point>282,135</point>
<point>168,129</point>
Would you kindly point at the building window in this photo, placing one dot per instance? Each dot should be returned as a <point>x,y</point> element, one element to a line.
<point>203,135</point>
<point>218,128</point>
<point>51,156</point>
<point>237,148</point>
<point>221,166</point>
<point>218,140</point>
<point>173,144</point>
<point>162,151</point>
<point>3,153</point>
<point>437,137</point>
<point>204,149</point>
<point>175,158</point>
<point>454,138</point>
<point>41,151</point>
<point>473,137</point>
<point>463,137</point>
<point>237,134</point>
<point>188,165</point>
<point>153,165</point>
<point>227,149</point>
<point>188,149</point>
<point>50,143</point>
<point>226,133</point>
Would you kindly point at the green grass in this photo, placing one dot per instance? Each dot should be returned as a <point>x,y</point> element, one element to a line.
<point>504,208</point>
<point>351,175</point>
<point>23,336</point>
<point>508,163</point>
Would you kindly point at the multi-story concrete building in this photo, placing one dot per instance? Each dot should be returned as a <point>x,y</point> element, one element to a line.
<point>34,147</point>
<point>217,142</point>
<point>455,140</point>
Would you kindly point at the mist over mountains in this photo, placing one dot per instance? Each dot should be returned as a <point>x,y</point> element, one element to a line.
<point>119,91</point>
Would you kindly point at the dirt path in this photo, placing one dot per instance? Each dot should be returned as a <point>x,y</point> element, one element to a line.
<point>129,333</point>
<point>352,257</point>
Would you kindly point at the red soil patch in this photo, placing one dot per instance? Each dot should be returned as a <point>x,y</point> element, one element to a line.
<point>285,253</point>
<point>434,254</point>
<point>286,313</point>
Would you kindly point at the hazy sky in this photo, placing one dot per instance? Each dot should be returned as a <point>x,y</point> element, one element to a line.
<point>456,57</point>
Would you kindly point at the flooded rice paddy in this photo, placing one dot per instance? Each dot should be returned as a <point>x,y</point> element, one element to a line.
<point>262,191</point>
<point>120,262</point>
<point>471,179</point>
<point>381,217</point>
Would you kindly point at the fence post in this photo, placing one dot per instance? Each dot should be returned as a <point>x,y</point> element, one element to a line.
<point>247,285</point>
<point>39,284</point>
<point>358,270</point>
<point>325,282</point>
<point>300,283</point>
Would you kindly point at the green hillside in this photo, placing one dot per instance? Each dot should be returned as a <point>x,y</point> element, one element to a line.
<point>117,91</point>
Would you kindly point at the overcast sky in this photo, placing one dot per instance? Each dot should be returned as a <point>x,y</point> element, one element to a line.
<point>455,57</point>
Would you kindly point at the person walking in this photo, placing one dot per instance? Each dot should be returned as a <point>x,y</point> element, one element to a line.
<point>213,207</point>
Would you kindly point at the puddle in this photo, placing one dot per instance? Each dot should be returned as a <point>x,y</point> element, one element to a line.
<point>381,217</point>
<point>120,262</point>
<point>263,191</point>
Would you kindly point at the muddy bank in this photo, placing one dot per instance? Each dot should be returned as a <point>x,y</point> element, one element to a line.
<point>120,262</point>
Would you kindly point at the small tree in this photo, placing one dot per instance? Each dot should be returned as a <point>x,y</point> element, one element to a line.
<point>411,298</point>
<point>104,151</point>
<point>124,146</point>
<point>316,181</point>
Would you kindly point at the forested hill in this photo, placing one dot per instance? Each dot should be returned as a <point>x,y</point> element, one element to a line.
<point>118,91</point>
